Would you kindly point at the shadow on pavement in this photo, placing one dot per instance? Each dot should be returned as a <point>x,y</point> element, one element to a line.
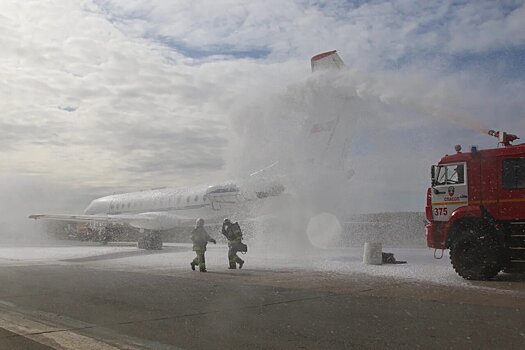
<point>119,255</point>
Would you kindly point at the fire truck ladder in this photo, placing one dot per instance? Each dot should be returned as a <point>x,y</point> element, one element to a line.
<point>516,246</point>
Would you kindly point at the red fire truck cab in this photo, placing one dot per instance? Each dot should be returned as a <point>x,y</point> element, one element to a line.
<point>476,208</point>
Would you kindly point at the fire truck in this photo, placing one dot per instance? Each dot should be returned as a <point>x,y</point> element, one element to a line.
<point>476,208</point>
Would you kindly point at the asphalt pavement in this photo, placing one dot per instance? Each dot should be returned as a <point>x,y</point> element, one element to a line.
<point>75,305</point>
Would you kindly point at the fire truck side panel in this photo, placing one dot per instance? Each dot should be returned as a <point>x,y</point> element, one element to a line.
<point>511,194</point>
<point>490,178</point>
<point>474,180</point>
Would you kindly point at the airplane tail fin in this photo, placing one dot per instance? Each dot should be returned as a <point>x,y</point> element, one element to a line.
<point>331,116</point>
<point>326,60</point>
<point>305,131</point>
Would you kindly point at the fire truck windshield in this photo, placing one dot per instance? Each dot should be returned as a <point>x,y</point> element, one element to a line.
<point>451,174</point>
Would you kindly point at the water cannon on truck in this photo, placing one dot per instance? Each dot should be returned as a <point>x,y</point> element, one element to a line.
<point>504,138</point>
<point>476,208</point>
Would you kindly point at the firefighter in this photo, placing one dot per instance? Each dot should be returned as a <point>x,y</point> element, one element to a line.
<point>200,239</point>
<point>232,232</point>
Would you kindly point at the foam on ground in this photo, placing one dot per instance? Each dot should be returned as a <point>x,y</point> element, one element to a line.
<point>421,267</point>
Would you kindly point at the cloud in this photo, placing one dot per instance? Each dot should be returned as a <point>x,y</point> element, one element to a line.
<point>127,98</point>
<point>387,30</point>
<point>142,93</point>
<point>23,195</point>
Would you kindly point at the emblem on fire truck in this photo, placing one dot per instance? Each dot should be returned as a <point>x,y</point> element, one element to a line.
<point>451,191</point>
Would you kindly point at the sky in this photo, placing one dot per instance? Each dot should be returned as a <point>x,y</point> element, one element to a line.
<point>98,96</point>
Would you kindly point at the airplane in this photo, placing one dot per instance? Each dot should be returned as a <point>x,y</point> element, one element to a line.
<point>153,211</point>
<point>161,209</point>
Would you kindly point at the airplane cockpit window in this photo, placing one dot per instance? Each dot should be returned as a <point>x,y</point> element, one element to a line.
<point>222,189</point>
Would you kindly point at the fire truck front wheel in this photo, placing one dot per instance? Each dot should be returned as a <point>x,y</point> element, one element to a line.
<point>476,257</point>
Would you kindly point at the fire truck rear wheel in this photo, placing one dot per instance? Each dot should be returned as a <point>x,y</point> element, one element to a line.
<point>476,257</point>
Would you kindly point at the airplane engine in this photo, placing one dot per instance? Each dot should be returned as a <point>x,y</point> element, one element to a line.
<point>159,221</point>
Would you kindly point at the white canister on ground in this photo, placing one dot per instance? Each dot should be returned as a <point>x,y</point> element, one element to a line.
<point>373,253</point>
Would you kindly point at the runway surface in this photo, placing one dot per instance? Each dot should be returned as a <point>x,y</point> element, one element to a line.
<point>118,297</point>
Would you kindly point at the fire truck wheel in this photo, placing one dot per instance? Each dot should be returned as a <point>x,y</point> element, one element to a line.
<point>476,257</point>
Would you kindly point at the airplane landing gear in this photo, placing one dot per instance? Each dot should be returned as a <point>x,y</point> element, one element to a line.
<point>104,236</point>
<point>151,241</point>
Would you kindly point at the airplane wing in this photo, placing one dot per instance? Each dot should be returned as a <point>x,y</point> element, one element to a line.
<point>149,221</point>
<point>118,219</point>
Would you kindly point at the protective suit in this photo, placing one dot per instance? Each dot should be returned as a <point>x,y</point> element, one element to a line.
<point>200,239</point>
<point>233,233</point>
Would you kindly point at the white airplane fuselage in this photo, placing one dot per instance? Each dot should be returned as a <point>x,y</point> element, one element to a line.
<point>167,208</point>
<point>156,210</point>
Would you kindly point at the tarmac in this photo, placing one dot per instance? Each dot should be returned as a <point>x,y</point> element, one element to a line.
<point>118,297</point>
